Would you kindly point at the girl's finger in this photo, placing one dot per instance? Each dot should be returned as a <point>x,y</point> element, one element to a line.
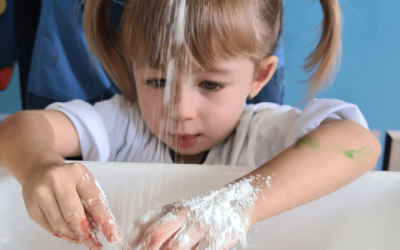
<point>211,243</point>
<point>96,205</point>
<point>55,219</point>
<point>163,230</point>
<point>202,245</point>
<point>232,244</point>
<point>74,215</point>
<point>141,226</point>
<point>38,216</point>
<point>41,213</point>
<point>187,237</point>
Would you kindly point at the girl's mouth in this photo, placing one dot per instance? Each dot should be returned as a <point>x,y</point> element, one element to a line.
<point>185,140</point>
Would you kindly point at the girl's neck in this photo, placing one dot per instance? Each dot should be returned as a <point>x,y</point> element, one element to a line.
<point>188,159</point>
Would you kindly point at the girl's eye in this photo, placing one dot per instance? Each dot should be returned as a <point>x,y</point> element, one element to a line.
<point>211,86</point>
<point>155,83</point>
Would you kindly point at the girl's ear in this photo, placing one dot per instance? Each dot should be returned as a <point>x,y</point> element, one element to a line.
<point>263,74</point>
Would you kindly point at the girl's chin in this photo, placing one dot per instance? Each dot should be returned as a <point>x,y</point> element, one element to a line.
<point>196,149</point>
<point>190,151</point>
<point>185,151</point>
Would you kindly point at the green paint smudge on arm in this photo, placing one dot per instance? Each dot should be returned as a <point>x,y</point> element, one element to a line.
<point>357,154</point>
<point>308,141</point>
<point>350,153</point>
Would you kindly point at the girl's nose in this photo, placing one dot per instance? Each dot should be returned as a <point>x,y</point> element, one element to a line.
<point>185,104</point>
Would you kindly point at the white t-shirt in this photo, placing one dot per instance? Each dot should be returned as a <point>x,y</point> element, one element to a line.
<point>112,131</point>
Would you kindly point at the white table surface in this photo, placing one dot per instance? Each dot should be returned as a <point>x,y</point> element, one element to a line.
<point>362,215</point>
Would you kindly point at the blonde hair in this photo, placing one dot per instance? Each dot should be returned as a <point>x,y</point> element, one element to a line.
<point>148,35</point>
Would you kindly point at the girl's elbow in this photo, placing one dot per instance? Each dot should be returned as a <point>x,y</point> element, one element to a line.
<point>359,140</point>
<point>370,141</point>
<point>377,148</point>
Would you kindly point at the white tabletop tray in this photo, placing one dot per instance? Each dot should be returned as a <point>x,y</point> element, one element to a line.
<point>363,215</point>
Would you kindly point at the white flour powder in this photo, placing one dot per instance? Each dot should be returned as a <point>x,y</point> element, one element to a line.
<point>220,219</point>
<point>224,213</point>
<point>178,38</point>
<point>183,240</point>
<point>268,181</point>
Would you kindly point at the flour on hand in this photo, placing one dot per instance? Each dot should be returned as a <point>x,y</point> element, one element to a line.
<point>220,219</point>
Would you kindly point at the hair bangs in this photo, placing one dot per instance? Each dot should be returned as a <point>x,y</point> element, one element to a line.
<point>209,31</point>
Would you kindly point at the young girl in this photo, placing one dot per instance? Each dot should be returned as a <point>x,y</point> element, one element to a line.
<point>194,64</point>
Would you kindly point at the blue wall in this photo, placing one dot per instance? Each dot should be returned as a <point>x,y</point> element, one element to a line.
<point>370,70</point>
<point>369,75</point>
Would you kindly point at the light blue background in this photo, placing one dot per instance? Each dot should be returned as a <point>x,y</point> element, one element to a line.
<point>370,69</point>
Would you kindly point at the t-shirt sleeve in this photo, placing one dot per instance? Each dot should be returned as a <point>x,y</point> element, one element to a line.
<point>91,125</point>
<point>319,110</point>
<point>273,128</point>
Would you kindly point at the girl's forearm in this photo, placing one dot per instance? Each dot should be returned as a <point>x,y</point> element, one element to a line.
<point>26,142</point>
<point>323,161</point>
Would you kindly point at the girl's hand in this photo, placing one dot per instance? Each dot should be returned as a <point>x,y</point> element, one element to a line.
<point>57,197</point>
<point>217,221</point>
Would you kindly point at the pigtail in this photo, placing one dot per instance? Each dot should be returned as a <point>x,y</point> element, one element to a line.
<point>104,43</point>
<point>322,61</point>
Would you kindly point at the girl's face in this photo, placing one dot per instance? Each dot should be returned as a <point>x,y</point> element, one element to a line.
<point>206,108</point>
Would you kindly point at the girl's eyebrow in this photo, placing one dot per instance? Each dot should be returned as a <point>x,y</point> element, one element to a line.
<point>215,70</point>
<point>153,73</point>
<point>220,70</point>
<point>157,73</point>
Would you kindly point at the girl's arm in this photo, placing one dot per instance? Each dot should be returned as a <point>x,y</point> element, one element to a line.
<point>56,194</point>
<point>321,162</point>
<point>328,158</point>
<point>36,138</point>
